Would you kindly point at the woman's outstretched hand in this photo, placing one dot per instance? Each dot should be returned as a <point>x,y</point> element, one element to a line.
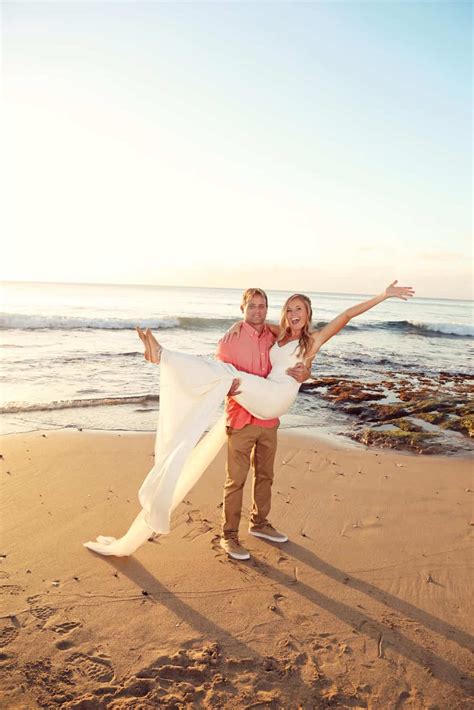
<point>403,292</point>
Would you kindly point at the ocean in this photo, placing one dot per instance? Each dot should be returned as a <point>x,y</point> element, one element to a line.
<point>71,358</point>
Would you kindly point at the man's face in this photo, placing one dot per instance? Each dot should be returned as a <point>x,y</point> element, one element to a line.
<point>255,311</point>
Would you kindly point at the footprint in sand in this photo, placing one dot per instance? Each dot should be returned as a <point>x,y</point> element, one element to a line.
<point>64,644</point>
<point>11,589</point>
<point>197,532</point>
<point>189,516</point>
<point>402,699</point>
<point>6,659</point>
<point>134,688</point>
<point>93,667</point>
<point>177,673</point>
<point>42,612</point>
<point>191,665</point>
<point>153,670</point>
<point>241,664</point>
<point>36,609</point>
<point>8,633</point>
<point>65,628</point>
<point>219,552</point>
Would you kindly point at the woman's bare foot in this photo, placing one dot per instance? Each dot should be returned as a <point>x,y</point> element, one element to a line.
<point>144,339</point>
<point>154,348</point>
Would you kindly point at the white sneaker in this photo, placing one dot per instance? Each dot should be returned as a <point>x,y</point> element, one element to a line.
<point>234,549</point>
<point>268,532</point>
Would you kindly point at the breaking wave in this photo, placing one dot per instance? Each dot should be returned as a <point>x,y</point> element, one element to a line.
<point>15,408</point>
<point>34,322</point>
<point>56,322</point>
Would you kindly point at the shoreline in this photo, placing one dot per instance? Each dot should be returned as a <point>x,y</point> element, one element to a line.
<point>406,412</point>
<point>326,435</point>
<point>367,605</point>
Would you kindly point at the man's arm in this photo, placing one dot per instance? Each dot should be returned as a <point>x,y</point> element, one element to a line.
<point>223,351</point>
<point>223,354</point>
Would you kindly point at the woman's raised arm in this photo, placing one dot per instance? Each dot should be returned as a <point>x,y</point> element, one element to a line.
<point>392,291</point>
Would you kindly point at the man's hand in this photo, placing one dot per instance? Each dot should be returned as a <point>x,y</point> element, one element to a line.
<point>299,372</point>
<point>234,390</point>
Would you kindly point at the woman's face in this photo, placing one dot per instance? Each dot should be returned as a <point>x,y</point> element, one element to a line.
<point>296,314</point>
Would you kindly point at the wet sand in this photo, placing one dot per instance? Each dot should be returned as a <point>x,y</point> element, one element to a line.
<point>367,605</point>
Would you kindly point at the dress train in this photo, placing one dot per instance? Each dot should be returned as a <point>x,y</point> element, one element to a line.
<point>191,390</point>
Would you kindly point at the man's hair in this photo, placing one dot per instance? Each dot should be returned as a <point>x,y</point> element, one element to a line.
<point>250,293</point>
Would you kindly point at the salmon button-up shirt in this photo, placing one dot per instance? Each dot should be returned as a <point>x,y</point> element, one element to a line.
<point>249,352</point>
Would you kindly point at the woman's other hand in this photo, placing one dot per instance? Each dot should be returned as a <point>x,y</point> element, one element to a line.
<point>403,292</point>
<point>299,372</point>
<point>233,332</point>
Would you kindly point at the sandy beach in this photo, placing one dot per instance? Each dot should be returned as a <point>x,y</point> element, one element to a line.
<point>367,605</point>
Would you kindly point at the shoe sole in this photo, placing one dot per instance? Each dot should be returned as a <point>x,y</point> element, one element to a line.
<point>268,537</point>
<point>236,556</point>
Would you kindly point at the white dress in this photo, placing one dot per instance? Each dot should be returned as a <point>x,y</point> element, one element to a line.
<point>191,390</point>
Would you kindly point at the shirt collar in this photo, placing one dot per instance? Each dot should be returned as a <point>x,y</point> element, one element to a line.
<point>252,332</point>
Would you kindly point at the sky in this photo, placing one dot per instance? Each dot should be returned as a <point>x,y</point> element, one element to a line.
<point>323,146</point>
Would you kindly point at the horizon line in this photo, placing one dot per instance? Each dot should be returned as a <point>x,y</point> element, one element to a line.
<point>220,288</point>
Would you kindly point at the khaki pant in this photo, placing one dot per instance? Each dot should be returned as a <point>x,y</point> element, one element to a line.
<point>254,445</point>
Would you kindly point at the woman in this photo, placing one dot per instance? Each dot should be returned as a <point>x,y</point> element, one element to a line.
<point>191,391</point>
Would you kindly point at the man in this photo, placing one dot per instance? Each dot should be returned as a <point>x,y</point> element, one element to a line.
<point>250,440</point>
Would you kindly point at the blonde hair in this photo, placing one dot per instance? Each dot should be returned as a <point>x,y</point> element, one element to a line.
<point>305,337</point>
<point>249,294</point>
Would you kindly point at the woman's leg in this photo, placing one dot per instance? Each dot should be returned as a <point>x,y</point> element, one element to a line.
<point>154,348</point>
<point>263,398</point>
